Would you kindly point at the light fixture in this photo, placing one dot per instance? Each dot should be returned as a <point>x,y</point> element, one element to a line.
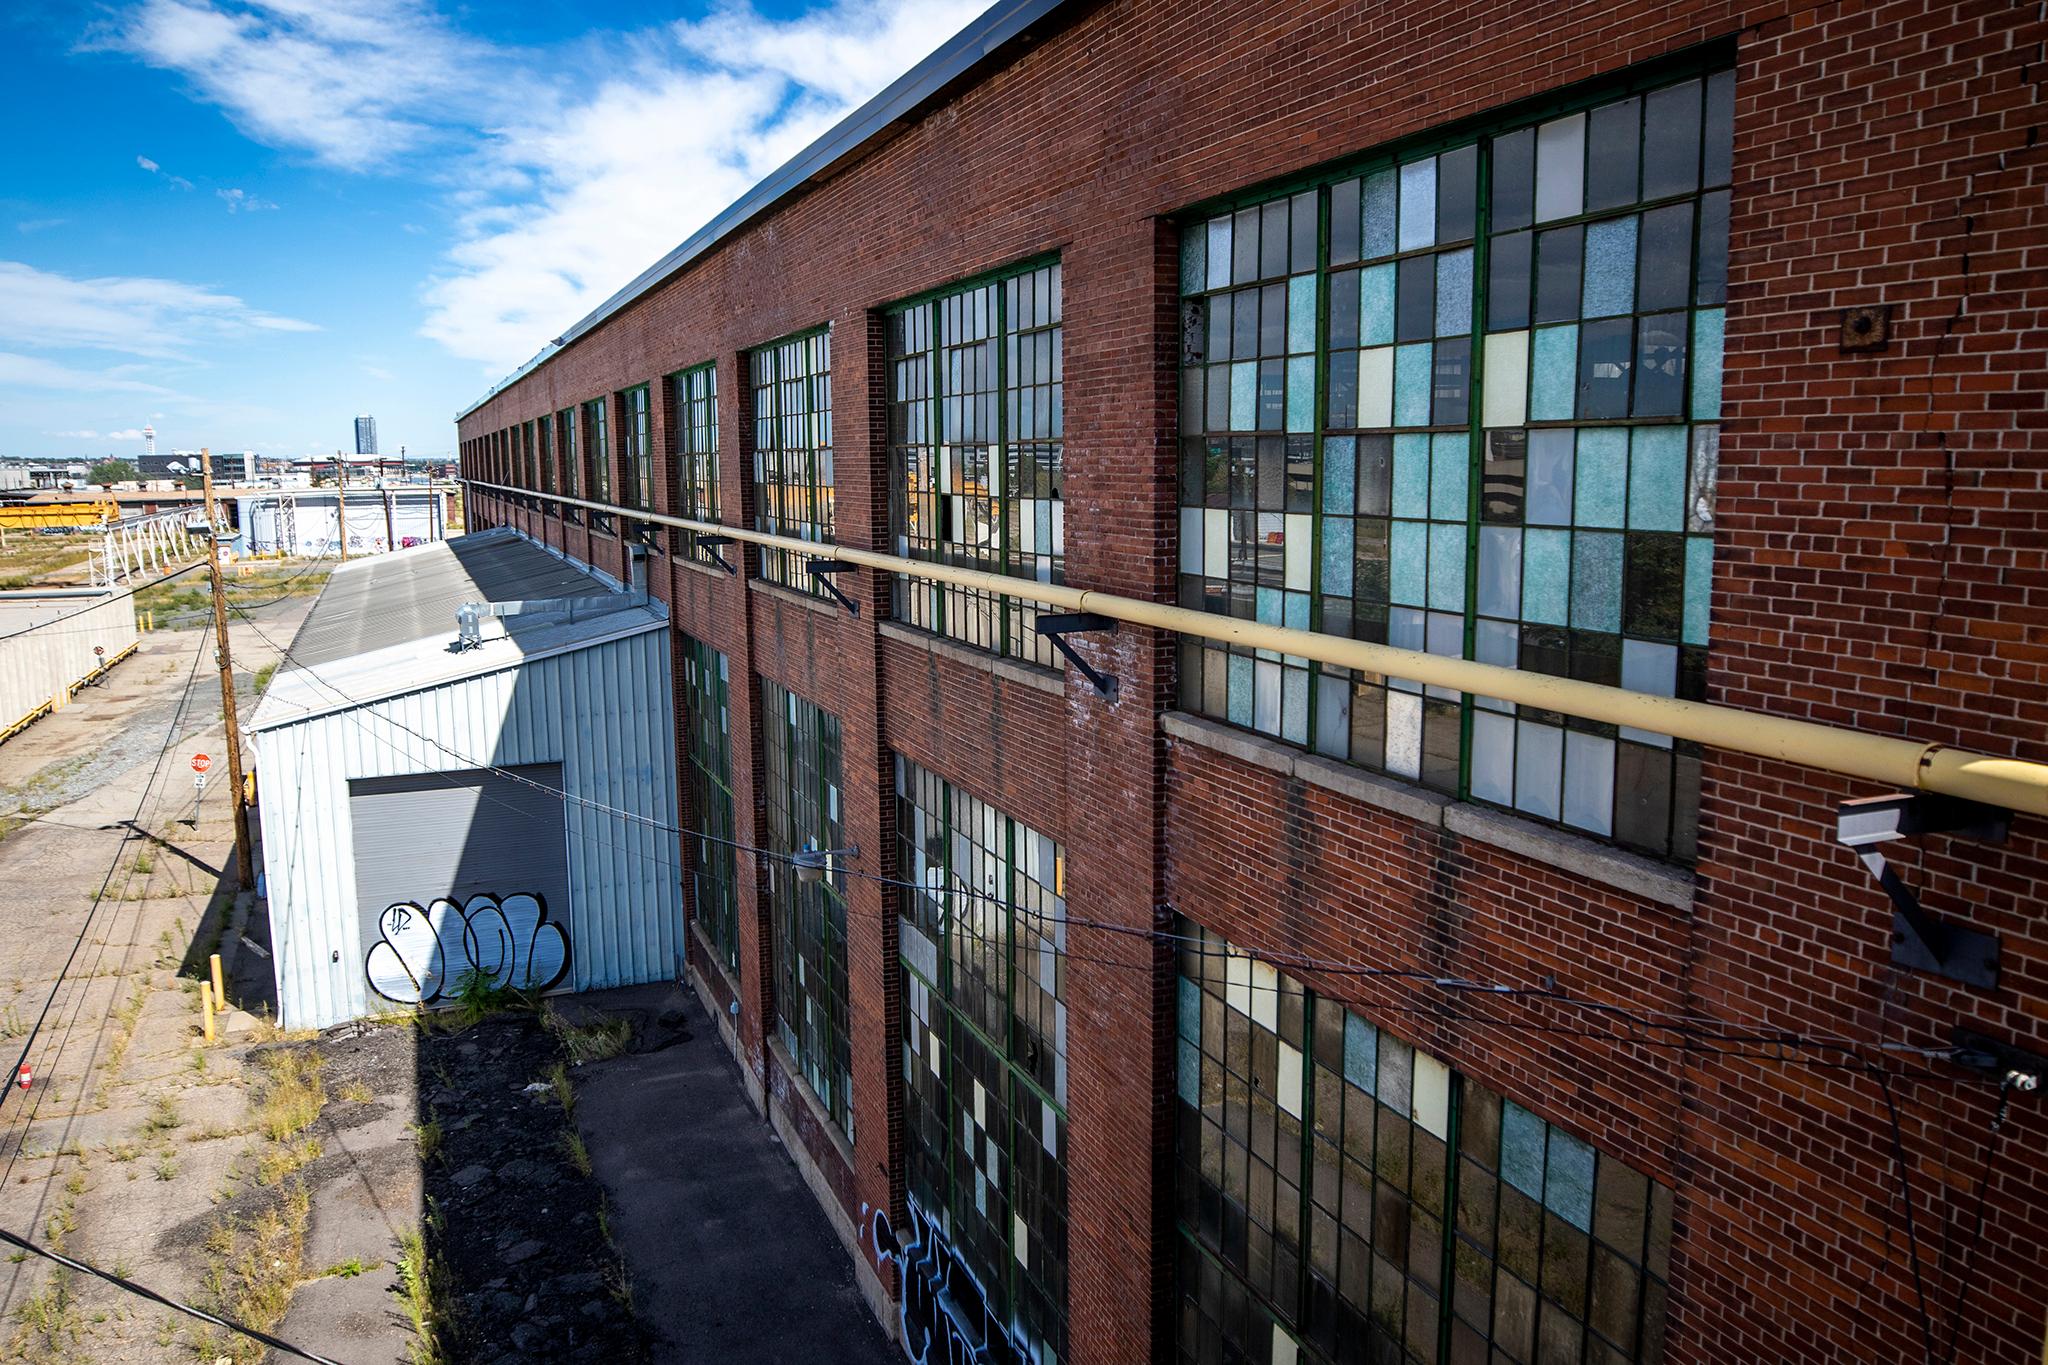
<point>811,863</point>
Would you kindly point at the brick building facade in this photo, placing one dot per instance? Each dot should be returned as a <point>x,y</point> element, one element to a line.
<point>1183,940</point>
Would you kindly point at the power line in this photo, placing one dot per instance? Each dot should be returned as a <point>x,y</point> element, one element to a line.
<point>101,602</point>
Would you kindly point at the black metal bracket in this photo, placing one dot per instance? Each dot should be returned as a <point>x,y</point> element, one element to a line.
<point>822,570</point>
<point>711,546</point>
<point>1056,626</point>
<point>1982,1052</point>
<point>1919,940</point>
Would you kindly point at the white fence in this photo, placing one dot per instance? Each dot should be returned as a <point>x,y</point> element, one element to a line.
<point>51,645</point>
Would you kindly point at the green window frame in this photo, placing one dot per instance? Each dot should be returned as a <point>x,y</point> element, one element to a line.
<point>708,721</point>
<point>976,426</point>
<point>693,403</point>
<point>983,947</point>
<point>1342,1195</point>
<point>1463,397</point>
<point>544,431</point>
<point>804,790</point>
<point>569,457</point>
<point>597,450</point>
<point>793,495</point>
<point>636,457</point>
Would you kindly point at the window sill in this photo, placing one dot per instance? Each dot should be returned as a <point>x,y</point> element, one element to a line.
<point>710,571</point>
<point>1047,680</point>
<point>794,598</point>
<point>793,1076</point>
<point>1617,869</point>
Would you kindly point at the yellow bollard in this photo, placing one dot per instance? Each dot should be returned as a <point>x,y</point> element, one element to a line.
<point>220,995</point>
<point>206,1003</point>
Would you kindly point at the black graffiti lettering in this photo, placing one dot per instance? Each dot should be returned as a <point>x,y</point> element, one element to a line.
<point>942,1310</point>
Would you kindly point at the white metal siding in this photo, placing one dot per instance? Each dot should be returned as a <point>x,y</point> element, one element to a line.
<point>603,712</point>
<point>35,664</point>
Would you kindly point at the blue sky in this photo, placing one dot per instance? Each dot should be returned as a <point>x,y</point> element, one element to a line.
<point>245,221</point>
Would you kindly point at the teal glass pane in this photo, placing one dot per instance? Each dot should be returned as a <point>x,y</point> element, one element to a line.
<point>1294,706</point>
<point>1546,576</point>
<point>1267,604</point>
<point>1219,252</point>
<point>1376,215</point>
<point>1610,279</point>
<point>1412,380</point>
<point>1194,258</point>
<point>1361,1053</point>
<point>1596,581</point>
<point>1294,611</point>
<point>1418,204</point>
<point>1376,306</point>
<point>1554,374</point>
<point>1454,293</point>
<point>1337,541</point>
<point>1244,395</point>
<point>1340,474</point>
<point>1568,1181</point>
<point>1446,568</point>
<point>1450,470</point>
<point>1301,314</point>
<point>1656,479</point>
<point>1407,562</point>
<point>1602,479</point>
<point>1240,690</point>
<point>1699,587</point>
<point>1188,1009</point>
<point>1521,1149</point>
<point>1411,476</point>
<point>1707,343</point>
<point>1190,1075</point>
<point>1301,393</point>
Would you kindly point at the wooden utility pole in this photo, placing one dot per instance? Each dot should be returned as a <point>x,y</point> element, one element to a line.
<point>245,870</point>
<point>341,502</point>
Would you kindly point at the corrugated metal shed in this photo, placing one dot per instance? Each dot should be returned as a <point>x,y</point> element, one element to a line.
<point>47,645</point>
<point>376,692</point>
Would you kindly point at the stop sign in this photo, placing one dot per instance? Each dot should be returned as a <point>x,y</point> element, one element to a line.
<point>200,763</point>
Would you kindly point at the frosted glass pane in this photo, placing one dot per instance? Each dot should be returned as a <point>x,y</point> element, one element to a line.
<point>1656,479</point>
<point>1549,489</point>
<point>1589,782</point>
<point>1405,629</point>
<point>1651,668</point>
<point>1294,615</point>
<point>1500,571</point>
<point>1297,549</point>
<point>1294,706</point>
<point>1596,581</point>
<point>1194,259</point>
<point>1376,387</point>
<point>1610,280</point>
<point>1191,540</point>
<point>1539,763</point>
<point>1498,643</point>
<point>1340,473</point>
<point>1301,314</point>
<point>1447,568</point>
<point>1418,204</point>
<point>1376,305</point>
<point>1493,757</point>
<point>1602,477</point>
<point>1433,1099</point>
<point>1301,393</point>
<point>1454,293</point>
<point>1411,476</point>
<point>1266,697</point>
<point>1506,402</point>
<point>1560,168</point>
<point>1412,384</point>
<point>1450,475</point>
<point>1333,716</point>
<point>1699,485</point>
<point>1376,215</point>
<point>1215,543</point>
<point>1707,343</point>
<point>1699,586</point>
<point>1554,374</point>
<point>1337,542</point>
<point>1244,395</point>
<point>1521,1149</point>
<point>1240,702</point>
<point>1404,734</point>
<point>1568,1180</point>
<point>1546,576</point>
<point>1219,252</point>
<point>1266,606</point>
<point>1407,562</point>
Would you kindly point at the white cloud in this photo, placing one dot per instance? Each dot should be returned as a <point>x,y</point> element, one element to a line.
<point>34,372</point>
<point>146,165</point>
<point>75,435</point>
<point>177,182</point>
<point>128,314</point>
<point>39,224</point>
<point>241,201</point>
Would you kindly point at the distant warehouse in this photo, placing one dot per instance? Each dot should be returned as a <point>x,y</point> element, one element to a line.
<point>439,800</point>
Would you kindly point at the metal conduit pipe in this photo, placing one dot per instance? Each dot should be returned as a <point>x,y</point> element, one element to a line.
<point>2014,784</point>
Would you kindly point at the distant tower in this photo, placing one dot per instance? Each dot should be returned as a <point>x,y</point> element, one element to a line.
<point>366,435</point>
<point>149,442</point>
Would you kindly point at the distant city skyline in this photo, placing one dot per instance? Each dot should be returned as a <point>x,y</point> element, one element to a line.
<point>366,434</point>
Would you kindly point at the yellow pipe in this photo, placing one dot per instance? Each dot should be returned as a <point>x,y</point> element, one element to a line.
<point>2014,784</point>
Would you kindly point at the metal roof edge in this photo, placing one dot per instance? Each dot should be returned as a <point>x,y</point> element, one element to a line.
<point>957,57</point>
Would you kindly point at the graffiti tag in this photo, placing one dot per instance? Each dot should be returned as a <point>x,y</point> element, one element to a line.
<point>421,953</point>
<point>943,1313</point>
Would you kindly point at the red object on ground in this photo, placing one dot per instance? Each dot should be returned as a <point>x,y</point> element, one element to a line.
<point>27,1075</point>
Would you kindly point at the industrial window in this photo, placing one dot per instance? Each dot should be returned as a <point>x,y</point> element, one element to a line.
<point>694,394</point>
<point>569,451</point>
<point>792,382</point>
<point>1464,401</point>
<point>529,449</point>
<point>636,458</point>
<point>805,812</point>
<point>544,429</point>
<point>597,449</point>
<point>975,431</point>
<point>1344,1196</point>
<point>708,718</point>
<point>984,1052</point>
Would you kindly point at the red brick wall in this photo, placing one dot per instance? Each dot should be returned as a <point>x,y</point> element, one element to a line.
<point>1882,561</point>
